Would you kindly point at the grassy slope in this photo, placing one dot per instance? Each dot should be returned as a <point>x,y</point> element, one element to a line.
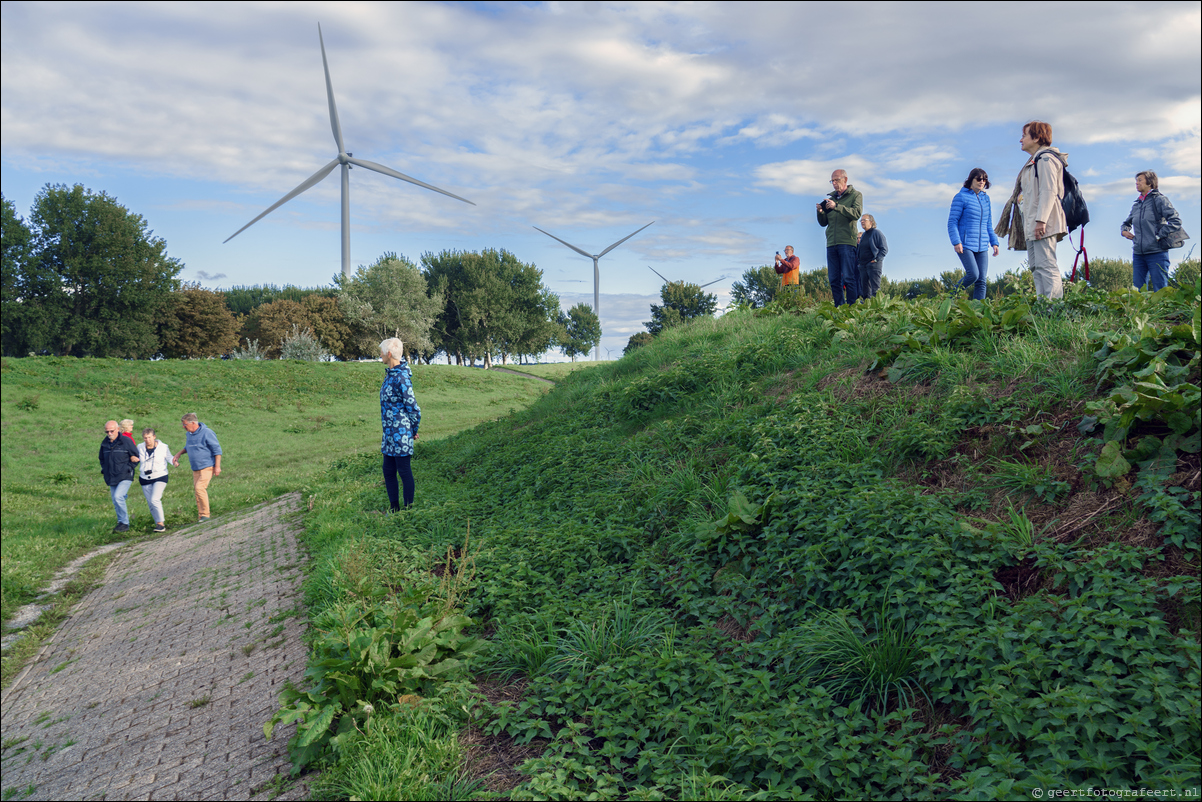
<point>280,424</point>
<point>1057,648</point>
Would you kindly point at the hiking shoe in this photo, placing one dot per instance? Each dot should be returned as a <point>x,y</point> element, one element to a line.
<point>160,527</point>
<point>204,518</point>
<point>121,528</point>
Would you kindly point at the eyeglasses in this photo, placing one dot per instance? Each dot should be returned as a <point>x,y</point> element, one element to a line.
<point>984,179</point>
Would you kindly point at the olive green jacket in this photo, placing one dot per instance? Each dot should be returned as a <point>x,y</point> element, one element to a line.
<point>840,222</point>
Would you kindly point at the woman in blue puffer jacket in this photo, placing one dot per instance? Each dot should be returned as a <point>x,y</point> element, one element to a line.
<point>970,228</point>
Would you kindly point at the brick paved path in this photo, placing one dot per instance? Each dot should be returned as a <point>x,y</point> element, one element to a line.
<point>158,685</point>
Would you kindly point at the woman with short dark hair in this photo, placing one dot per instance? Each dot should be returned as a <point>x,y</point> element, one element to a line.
<point>970,227</point>
<point>1153,226</point>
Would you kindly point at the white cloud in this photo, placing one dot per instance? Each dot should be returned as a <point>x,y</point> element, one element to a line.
<point>812,177</point>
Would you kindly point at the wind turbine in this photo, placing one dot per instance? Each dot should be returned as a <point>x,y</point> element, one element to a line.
<point>596,275</point>
<point>666,281</point>
<point>345,160</point>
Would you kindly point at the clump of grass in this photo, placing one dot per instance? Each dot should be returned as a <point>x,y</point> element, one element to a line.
<point>621,631</point>
<point>200,702</point>
<point>523,650</point>
<point>866,669</point>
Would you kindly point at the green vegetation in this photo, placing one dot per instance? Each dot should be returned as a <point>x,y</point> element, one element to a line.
<point>793,555</point>
<point>555,370</point>
<point>280,425</point>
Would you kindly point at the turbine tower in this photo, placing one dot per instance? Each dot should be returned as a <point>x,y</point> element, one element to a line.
<point>345,160</point>
<point>596,275</point>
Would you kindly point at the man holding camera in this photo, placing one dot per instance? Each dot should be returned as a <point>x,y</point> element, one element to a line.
<point>838,213</point>
<point>788,268</point>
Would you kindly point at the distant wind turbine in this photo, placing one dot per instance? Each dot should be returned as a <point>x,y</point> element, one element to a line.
<point>666,281</point>
<point>596,275</point>
<point>345,160</point>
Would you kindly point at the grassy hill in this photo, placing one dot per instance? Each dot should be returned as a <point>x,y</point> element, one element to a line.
<point>940,549</point>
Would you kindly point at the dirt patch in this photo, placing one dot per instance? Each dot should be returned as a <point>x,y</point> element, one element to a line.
<point>494,759</point>
<point>735,631</point>
<point>1019,581</point>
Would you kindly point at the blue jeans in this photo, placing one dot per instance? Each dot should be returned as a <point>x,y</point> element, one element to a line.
<point>842,271</point>
<point>118,492</point>
<point>1151,267</point>
<point>976,265</point>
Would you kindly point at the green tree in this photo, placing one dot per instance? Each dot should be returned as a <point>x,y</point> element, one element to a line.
<point>637,340</point>
<point>681,301</point>
<point>100,275</point>
<point>242,300</point>
<point>197,324</point>
<point>389,298</point>
<point>495,305</point>
<point>758,287</point>
<point>581,331</point>
<point>18,317</point>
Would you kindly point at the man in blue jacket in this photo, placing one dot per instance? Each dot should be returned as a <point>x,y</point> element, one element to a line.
<point>204,454</point>
<point>117,458</point>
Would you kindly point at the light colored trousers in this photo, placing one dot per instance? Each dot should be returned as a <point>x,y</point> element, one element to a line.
<point>1041,258</point>
<point>154,499</point>
<point>200,486</point>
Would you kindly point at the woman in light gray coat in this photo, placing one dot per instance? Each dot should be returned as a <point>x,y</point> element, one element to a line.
<point>1153,226</point>
<point>1042,184</point>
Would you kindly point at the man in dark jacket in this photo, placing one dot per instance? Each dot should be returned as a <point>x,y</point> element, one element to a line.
<point>118,455</point>
<point>870,255</point>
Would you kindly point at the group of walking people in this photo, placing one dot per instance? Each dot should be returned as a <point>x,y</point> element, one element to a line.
<point>122,459</point>
<point>1033,218</point>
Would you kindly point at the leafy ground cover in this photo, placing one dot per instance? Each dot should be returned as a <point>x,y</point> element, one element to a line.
<point>882,551</point>
<point>280,424</point>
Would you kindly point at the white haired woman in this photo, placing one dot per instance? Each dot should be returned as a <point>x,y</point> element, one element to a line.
<point>155,457</point>
<point>399,416</point>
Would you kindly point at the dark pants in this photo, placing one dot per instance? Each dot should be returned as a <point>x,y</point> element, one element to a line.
<point>870,278</point>
<point>976,265</point>
<point>842,272</point>
<point>392,467</point>
<point>1150,268</point>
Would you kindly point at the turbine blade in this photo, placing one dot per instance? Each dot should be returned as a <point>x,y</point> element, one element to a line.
<point>715,281</point>
<point>379,168</point>
<point>619,242</point>
<point>656,272</point>
<point>570,245</point>
<point>334,124</point>
<point>308,182</point>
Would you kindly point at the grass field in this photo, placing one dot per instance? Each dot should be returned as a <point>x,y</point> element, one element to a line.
<point>281,425</point>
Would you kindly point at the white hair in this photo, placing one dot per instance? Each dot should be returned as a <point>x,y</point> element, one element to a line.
<point>393,347</point>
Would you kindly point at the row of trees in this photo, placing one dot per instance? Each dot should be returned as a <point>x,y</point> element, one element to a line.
<point>85,277</point>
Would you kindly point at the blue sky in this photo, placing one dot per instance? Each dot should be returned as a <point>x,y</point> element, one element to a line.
<point>721,122</point>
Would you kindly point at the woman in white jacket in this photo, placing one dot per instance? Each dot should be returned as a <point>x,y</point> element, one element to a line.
<point>152,475</point>
<point>1042,182</point>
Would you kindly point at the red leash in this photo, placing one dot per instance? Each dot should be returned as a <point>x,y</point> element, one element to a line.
<point>1080,252</point>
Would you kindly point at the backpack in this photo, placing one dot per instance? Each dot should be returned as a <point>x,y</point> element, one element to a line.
<point>1076,213</point>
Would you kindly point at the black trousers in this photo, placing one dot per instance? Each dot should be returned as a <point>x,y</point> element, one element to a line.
<point>392,467</point>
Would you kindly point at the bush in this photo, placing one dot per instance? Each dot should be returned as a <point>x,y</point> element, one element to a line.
<point>303,345</point>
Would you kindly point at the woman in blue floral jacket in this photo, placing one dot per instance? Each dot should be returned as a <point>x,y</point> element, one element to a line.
<point>400,416</point>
